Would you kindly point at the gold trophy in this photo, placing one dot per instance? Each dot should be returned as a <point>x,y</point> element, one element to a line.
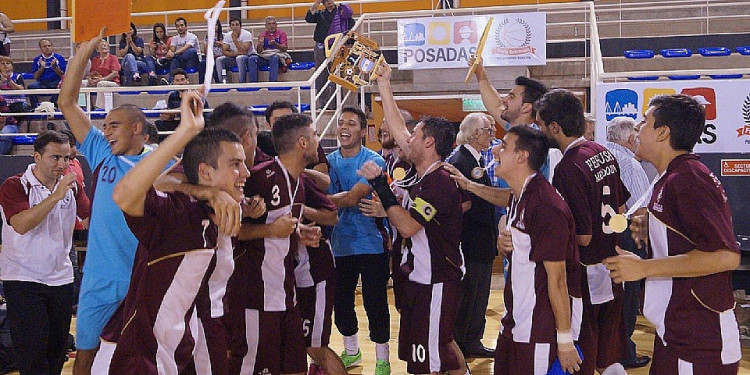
<point>355,57</point>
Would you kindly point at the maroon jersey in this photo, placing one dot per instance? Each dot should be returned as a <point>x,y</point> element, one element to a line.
<point>693,316</point>
<point>177,253</point>
<point>432,255</point>
<point>266,265</point>
<point>315,264</point>
<point>588,178</point>
<point>528,311</point>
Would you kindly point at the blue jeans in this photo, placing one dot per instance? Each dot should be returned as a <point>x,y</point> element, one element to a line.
<point>130,65</point>
<point>43,85</point>
<point>224,62</point>
<point>257,62</point>
<point>185,60</point>
<point>6,143</point>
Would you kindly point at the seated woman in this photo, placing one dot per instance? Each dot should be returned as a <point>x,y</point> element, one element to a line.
<point>12,81</point>
<point>134,61</point>
<point>216,44</point>
<point>105,72</point>
<point>159,47</point>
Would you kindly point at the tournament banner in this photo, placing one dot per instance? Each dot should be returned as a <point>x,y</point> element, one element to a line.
<point>727,104</point>
<point>448,42</point>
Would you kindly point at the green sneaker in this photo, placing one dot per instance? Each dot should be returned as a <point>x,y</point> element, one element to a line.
<point>351,360</point>
<point>382,367</point>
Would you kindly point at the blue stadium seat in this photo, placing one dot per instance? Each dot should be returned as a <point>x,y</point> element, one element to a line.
<point>676,52</point>
<point>234,69</point>
<point>714,51</point>
<point>264,69</point>
<point>302,65</point>
<point>639,54</point>
<point>684,78</point>
<point>162,72</point>
<point>725,76</point>
<point>648,78</point>
<point>283,88</point>
<point>214,89</point>
<point>191,70</point>
<point>98,114</point>
<point>743,50</point>
<point>129,92</point>
<point>24,140</point>
<point>158,92</point>
<point>248,89</point>
<point>27,76</point>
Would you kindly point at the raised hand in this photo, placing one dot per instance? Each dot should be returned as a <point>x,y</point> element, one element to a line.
<point>63,186</point>
<point>191,111</point>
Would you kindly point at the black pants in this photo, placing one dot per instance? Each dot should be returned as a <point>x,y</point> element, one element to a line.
<point>472,309</point>
<point>374,271</point>
<point>631,295</point>
<point>39,324</point>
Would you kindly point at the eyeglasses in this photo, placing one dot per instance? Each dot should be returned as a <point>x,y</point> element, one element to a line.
<point>488,130</point>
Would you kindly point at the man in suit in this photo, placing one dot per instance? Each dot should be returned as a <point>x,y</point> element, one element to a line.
<point>477,236</point>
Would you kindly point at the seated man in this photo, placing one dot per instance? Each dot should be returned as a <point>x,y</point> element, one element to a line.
<point>271,52</point>
<point>185,47</point>
<point>169,121</point>
<point>48,68</point>
<point>235,47</point>
<point>183,261</point>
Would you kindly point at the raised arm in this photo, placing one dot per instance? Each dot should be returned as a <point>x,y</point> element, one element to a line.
<point>27,220</point>
<point>497,196</point>
<point>490,97</point>
<point>80,125</point>
<point>130,192</point>
<point>392,114</point>
<point>7,24</point>
<point>351,197</point>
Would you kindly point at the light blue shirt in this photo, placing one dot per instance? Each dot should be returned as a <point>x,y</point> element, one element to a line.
<point>355,233</point>
<point>111,245</point>
<point>631,172</point>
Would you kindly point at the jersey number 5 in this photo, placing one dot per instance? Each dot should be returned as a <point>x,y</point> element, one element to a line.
<point>607,210</point>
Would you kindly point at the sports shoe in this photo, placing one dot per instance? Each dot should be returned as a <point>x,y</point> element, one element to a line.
<point>315,369</point>
<point>352,360</point>
<point>382,367</point>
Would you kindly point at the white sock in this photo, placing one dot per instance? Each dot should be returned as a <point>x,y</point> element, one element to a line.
<point>614,369</point>
<point>382,352</point>
<point>351,344</point>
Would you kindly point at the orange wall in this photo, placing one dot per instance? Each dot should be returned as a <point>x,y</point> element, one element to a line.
<point>38,9</point>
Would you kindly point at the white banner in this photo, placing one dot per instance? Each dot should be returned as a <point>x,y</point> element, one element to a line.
<point>727,104</point>
<point>448,42</point>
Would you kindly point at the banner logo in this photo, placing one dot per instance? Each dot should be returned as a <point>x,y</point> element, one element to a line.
<point>438,33</point>
<point>513,37</point>
<point>621,102</point>
<point>465,31</point>
<point>745,130</point>
<point>414,34</point>
<point>706,96</point>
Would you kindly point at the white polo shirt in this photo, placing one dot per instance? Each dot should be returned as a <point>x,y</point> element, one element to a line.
<point>41,254</point>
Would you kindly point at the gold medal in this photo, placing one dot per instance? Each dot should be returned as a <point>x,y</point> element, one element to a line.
<point>477,173</point>
<point>618,223</point>
<point>399,174</point>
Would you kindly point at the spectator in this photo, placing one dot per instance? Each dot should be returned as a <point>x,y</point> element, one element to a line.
<point>185,47</point>
<point>40,207</point>
<point>216,45</point>
<point>48,69</point>
<point>8,125</point>
<point>6,27</point>
<point>159,47</point>
<point>82,224</point>
<point>235,47</point>
<point>271,52</point>
<point>12,81</point>
<point>622,143</point>
<point>478,236</point>
<point>330,20</point>
<point>152,136</point>
<point>134,61</point>
<point>169,121</point>
<point>590,127</point>
<point>105,72</point>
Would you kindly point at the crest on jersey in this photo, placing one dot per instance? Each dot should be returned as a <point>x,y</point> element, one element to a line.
<point>269,173</point>
<point>425,209</point>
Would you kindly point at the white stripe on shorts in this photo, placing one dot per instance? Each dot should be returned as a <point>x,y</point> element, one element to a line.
<point>103,357</point>
<point>202,359</point>
<point>320,314</point>
<point>541,358</point>
<point>252,335</point>
<point>434,340</point>
<point>684,367</point>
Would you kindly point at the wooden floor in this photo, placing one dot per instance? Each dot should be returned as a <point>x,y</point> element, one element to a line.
<point>643,337</point>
